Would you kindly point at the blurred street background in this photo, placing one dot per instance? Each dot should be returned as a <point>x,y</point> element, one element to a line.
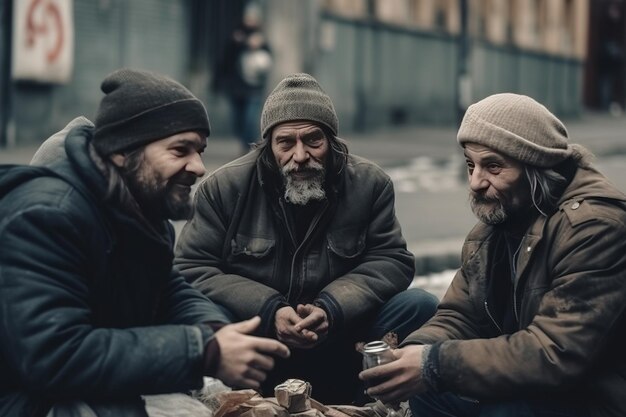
<point>401,74</point>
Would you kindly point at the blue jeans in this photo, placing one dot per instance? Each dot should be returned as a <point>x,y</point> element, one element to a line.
<point>332,367</point>
<point>451,405</point>
<point>246,113</point>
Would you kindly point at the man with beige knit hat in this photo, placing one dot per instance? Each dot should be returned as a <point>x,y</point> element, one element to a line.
<point>533,323</point>
<point>303,234</point>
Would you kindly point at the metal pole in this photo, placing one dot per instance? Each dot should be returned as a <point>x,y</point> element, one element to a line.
<point>6,18</point>
<point>463,75</point>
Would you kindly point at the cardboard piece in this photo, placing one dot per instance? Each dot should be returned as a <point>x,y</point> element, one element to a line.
<point>293,400</point>
<point>294,395</point>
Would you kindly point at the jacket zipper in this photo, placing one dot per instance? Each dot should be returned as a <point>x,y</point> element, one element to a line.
<point>492,319</point>
<point>516,286</point>
<point>293,243</point>
<point>515,302</point>
<point>314,223</point>
<point>286,221</point>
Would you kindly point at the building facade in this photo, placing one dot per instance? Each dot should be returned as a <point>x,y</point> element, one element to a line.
<point>383,62</point>
<point>427,60</point>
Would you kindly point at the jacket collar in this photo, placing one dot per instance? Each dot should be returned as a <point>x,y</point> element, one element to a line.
<point>586,183</point>
<point>590,183</point>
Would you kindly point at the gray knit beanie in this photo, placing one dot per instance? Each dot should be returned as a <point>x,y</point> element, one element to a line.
<point>141,107</point>
<point>298,97</point>
<point>516,126</point>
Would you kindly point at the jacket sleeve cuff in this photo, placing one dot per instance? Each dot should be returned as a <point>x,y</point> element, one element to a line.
<point>268,312</point>
<point>430,367</point>
<point>333,311</point>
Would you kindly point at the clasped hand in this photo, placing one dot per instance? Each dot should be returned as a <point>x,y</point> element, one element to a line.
<point>303,328</point>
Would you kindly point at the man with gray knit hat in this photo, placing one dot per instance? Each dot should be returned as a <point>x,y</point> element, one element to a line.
<point>533,322</point>
<point>98,316</point>
<point>303,234</point>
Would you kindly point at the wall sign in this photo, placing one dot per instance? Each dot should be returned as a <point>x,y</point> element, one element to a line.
<point>43,40</point>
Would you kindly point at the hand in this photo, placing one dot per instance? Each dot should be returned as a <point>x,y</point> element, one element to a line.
<point>285,321</point>
<point>398,380</point>
<point>314,323</point>
<point>245,360</point>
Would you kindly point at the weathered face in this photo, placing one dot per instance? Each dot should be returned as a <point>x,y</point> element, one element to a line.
<point>162,179</point>
<point>498,187</point>
<point>300,149</point>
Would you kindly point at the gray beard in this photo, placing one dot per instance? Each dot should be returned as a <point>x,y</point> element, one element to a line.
<point>303,191</point>
<point>486,215</point>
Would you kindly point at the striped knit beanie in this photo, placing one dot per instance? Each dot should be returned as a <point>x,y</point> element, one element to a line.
<point>516,126</point>
<point>298,97</point>
<point>140,107</point>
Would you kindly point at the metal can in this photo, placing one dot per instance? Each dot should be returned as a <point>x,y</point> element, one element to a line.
<point>376,353</point>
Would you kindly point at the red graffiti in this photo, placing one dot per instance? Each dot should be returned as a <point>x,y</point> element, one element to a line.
<point>43,25</point>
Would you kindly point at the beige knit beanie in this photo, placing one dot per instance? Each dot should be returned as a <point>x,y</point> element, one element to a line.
<point>516,126</point>
<point>298,97</point>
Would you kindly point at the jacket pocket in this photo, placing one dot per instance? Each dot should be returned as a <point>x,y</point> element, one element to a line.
<point>347,243</point>
<point>256,247</point>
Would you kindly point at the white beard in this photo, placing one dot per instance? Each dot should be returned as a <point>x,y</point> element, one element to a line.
<point>302,191</point>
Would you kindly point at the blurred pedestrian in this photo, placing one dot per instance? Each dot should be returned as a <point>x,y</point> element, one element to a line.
<point>533,322</point>
<point>93,314</point>
<point>305,235</point>
<point>611,58</point>
<point>242,75</point>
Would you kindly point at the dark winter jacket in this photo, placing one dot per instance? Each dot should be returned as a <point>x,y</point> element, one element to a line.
<point>90,307</point>
<point>241,251</point>
<point>569,301</point>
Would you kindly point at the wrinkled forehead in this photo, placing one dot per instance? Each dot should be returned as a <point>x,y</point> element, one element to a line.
<point>296,126</point>
<point>472,147</point>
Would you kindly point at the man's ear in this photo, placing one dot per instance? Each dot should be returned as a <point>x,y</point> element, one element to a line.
<point>118,159</point>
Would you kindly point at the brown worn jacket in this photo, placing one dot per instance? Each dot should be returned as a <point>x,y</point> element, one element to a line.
<point>570,300</point>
